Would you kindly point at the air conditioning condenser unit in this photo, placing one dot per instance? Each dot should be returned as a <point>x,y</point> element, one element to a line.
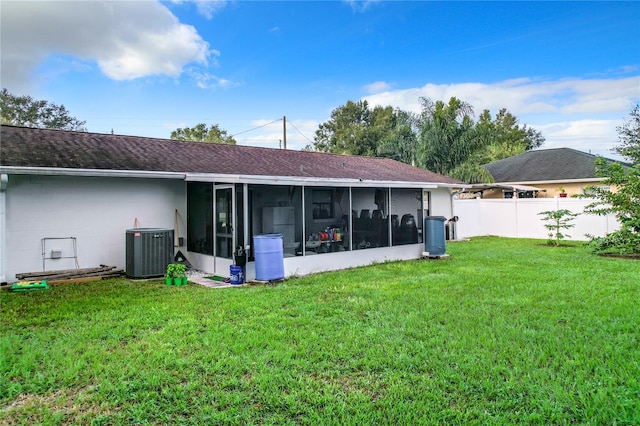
<point>149,251</point>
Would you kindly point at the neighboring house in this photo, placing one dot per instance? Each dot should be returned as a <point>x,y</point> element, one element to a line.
<point>67,199</point>
<point>541,174</point>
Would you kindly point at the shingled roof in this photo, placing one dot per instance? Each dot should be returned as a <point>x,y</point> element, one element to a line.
<point>545,165</point>
<point>35,148</point>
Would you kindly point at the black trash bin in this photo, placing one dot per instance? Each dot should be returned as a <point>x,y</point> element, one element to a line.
<point>450,229</point>
<point>240,257</point>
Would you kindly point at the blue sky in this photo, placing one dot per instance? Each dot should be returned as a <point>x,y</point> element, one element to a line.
<point>568,69</point>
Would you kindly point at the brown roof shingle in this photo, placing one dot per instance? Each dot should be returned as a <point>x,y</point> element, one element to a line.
<point>28,147</point>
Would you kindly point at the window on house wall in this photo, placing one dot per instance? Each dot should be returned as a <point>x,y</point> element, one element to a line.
<point>322,203</point>
<point>521,194</point>
<point>589,189</point>
<point>426,205</point>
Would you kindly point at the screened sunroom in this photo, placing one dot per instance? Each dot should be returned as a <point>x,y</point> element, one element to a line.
<point>316,222</point>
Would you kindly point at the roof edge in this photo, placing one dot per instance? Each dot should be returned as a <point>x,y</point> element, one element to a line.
<point>223,178</point>
<point>555,182</point>
<point>55,171</point>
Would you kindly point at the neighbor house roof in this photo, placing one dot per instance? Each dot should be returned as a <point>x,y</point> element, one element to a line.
<point>545,165</point>
<point>23,147</point>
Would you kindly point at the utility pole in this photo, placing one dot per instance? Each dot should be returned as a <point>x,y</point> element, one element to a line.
<point>284,131</point>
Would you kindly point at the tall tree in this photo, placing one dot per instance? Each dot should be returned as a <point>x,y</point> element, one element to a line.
<point>348,131</point>
<point>356,129</point>
<point>448,139</point>
<point>29,112</point>
<point>503,137</point>
<point>629,137</point>
<point>201,133</point>
<point>624,200</point>
<point>451,143</point>
<point>400,142</point>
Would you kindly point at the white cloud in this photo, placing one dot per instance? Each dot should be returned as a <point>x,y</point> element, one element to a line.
<point>127,40</point>
<point>360,5</point>
<point>205,80</point>
<point>377,87</point>
<point>595,136</point>
<point>571,112</point>
<point>524,96</point>
<point>206,8</point>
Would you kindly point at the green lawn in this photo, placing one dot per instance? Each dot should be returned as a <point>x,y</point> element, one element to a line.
<point>505,331</point>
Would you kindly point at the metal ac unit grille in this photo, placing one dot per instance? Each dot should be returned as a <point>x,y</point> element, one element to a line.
<point>149,251</point>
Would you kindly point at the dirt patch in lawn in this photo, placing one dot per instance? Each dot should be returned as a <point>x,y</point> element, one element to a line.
<point>75,405</point>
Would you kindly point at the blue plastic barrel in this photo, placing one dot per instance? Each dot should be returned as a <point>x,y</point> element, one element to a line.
<point>236,274</point>
<point>269,255</point>
<point>434,242</point>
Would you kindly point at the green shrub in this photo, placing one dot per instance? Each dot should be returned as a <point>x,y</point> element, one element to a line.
<point>558,220</point>
<point>175,270</point>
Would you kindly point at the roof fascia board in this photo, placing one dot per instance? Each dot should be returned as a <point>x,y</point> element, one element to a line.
<point>224,178</point>
<point>304,181</point>
<point>486,186</point>
<point>557,181</point>
<point>54,171</point>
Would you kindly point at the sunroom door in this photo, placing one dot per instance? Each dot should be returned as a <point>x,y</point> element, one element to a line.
<point>224,221</point>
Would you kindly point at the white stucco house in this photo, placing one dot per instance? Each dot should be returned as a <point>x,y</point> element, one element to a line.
<point>67,199</point>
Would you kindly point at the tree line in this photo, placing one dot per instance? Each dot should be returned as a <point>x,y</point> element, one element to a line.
<point>443,138</point>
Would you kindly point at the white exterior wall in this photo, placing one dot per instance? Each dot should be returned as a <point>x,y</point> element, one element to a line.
<point>96,211</point>
<point>519,218</point>
<point>441,203</point>
<point>313,263</point>
<point>309,264</point>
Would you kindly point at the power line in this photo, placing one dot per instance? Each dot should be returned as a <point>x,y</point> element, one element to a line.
<point>303,135</point>
<point>256,128</point>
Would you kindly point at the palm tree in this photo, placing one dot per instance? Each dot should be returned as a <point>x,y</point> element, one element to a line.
<point>448,139</point>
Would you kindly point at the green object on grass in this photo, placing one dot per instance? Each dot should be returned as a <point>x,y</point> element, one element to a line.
<point>175,270</point>
<point>177,281</point>
<point>30,285</point>
<point>175,274</point>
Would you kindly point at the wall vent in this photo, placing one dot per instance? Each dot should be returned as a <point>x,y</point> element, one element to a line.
<point>149,251</point>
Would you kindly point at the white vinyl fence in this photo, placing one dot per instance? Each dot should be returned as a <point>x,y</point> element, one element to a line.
<point>519,218</point>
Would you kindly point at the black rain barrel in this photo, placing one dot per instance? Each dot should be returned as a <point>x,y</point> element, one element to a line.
<point>434,242</point>
<point>269,255</point>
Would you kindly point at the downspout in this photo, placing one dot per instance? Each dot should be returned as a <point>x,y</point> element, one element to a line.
<point>4,181</point>
<point>304,223</point>
<point>454,231</point>
<point>515,200</point>
<point>453,194</point>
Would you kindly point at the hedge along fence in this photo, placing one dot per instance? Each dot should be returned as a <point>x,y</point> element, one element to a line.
<point>519,218</point>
